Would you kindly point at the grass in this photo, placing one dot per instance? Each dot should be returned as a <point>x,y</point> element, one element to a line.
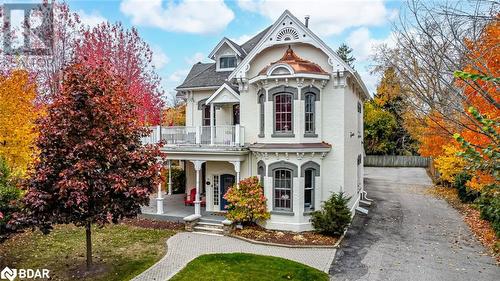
<point>119,251</point>
<point>246,267</point>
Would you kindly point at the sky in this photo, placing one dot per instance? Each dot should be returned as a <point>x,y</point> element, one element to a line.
<point>183,32</point>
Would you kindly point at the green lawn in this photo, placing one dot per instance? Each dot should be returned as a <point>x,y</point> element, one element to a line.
<point>246,267</point>
<point>121,251</point>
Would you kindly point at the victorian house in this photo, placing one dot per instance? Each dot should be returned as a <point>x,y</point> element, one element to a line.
<point>282,106</point>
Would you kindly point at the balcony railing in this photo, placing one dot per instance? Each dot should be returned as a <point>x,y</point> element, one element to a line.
<point>220,135</point>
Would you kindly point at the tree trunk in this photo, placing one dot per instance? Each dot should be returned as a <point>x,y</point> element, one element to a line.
<point>88,232</point>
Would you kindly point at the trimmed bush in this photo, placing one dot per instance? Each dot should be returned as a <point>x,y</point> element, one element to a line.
<point>489,206</point>
<point>334,216</point>
<point>465,194</point>
<point>246,202</point>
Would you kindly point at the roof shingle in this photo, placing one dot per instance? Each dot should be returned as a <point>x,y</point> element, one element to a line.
<point>204,74</point>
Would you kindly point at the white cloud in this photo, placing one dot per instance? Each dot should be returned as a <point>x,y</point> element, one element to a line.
<point>183,16</point>
<point>242,39</point>
<point>364,45</point>
<point>197,57</point>
<point>328,17</point>
<point>178,76</point>
<point>92,19</point>
<point>159,59</point>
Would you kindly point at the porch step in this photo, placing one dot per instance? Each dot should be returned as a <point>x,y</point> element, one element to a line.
<point>365,203</point>
<point>208,229</point>
<point>210,224</point>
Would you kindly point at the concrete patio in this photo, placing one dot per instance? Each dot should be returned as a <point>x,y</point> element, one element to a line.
<point>174,209</point>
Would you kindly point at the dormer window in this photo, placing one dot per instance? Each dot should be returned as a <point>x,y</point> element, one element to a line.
<point>227,62</point>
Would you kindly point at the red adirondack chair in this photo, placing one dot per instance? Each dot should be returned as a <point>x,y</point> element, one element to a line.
<point>189,199</point>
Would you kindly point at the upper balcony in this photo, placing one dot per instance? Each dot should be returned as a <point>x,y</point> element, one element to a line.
<point>177,136</point>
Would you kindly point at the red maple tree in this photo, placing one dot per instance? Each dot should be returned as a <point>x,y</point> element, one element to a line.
<point>129,56</point>
<point>92,167</point>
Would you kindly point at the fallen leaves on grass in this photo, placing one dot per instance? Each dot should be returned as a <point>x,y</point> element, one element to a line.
<point>481,229</point>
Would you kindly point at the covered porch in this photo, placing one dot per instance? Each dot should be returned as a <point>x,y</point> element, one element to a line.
<point>208,175</point>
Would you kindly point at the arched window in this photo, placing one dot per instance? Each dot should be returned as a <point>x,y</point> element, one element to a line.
<point>283,109</point>
<point>309,183</point>
<point>309,112</point>
<point>310,95</point>
<point>261,171</point>
<point>262,100</point>
<point>282,189</point>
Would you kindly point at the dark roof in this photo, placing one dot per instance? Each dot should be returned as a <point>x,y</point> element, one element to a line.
<point>238,47</point>
<point>204,74</point>
<point>250,44</point>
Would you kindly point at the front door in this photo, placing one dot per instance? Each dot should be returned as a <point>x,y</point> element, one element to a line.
<point>226,181</point>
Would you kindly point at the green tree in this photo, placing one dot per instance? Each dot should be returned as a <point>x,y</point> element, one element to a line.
<point>344,53</point>
<point>389,97</point>
<point>379,125</point>
<point>334,216</point>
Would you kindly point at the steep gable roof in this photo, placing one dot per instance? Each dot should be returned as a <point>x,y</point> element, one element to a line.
<point>315,40</point>
<point>252,42</point>
<point>205,74</point>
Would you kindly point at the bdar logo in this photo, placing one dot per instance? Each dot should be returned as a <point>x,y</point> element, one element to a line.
<point>8,273</point>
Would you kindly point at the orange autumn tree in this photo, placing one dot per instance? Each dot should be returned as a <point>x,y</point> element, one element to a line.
<point>175,116</point>
<point>482,94</point>
<point>17,117</point>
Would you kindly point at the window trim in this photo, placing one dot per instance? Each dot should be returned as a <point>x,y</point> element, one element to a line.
<point>261,100</point>
<point>227,56</point>
<point>315,92</point>
<point>270,171</point>
<point>280,209</point>
<point>261,166</point>
<point>312,98</point>
<point>312,188</point>
<point>291,132</point>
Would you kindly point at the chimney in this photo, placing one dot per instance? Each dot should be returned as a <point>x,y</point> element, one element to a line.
<point>307,20</point>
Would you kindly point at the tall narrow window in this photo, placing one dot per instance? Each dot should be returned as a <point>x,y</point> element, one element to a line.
<point>283,113</point>
<point>262,100</point>
<point>236,114</point>
<point>309,189</point>
<point>206,116</point>
<point>282,189</point>
<point>309,113</point>
<point>216,189</point>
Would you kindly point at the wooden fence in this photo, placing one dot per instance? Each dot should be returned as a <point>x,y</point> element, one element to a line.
<point>396,161</point>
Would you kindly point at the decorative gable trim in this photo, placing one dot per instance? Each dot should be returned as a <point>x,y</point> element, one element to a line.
<point>220,90</point>
<point>221,43</point>
<point>287,35</point>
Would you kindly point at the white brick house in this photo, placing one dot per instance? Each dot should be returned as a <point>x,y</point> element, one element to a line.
<point>282,106</point>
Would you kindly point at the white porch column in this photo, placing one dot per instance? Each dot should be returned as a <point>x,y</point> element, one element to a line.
<point>197,202</point>
<point>237,165</point>
<point>212,123</point>
<point>237,134</point>
<point>169,163</point>
<point>159,199</point>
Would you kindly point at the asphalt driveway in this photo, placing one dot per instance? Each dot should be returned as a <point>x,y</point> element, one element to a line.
<point>409,235</point>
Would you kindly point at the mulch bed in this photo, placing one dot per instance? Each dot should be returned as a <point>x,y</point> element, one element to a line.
<point>147,223</point>
<point>481,229</point>
<point>285,237</point>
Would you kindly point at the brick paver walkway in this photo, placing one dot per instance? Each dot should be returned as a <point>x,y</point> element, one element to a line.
<point>186,246</point>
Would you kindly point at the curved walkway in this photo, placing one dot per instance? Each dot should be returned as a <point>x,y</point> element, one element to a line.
<point>186,246</point>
